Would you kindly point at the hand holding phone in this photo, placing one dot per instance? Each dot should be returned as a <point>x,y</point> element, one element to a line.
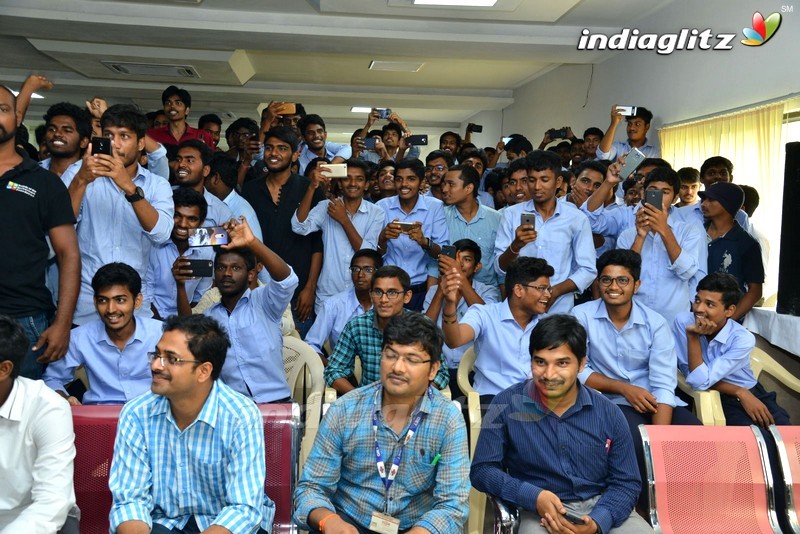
<point>369,143</point>
<point>632,162</point>
<point>449,250</point>
<point>207,236</point>
<point>528,219</point>
<point>334,170</point>
<point>384,113</point>
<point>101,145</point>
<point>575,519</point>
<point>654,197</point>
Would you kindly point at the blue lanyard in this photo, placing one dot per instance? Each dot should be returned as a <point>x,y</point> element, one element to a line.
<point>418,417</point>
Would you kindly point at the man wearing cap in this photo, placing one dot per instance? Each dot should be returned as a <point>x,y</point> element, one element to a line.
<point>730,248</point>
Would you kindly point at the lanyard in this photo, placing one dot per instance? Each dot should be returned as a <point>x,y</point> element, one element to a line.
<point>417,419</point>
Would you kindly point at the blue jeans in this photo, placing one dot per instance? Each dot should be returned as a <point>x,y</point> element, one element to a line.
<point>302,327</point>
<point>33,325</point>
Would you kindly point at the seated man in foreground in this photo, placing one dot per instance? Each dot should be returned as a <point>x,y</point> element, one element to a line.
<point>189,454</point>
<point>415,436</point>
<point>551,446</point>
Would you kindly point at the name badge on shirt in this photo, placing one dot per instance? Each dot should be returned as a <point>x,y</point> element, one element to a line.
<point>384,524</point>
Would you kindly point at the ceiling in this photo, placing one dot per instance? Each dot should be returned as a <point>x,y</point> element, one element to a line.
<point>248,52</point>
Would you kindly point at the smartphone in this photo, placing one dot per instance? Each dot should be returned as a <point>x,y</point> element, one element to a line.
<point>506,140</point>
<point>101,145</point>
<point>475,128</point>
<point>557,134</point>
<point>369,143</point>
<point>575,519</point>
<point>449,250</point>
<point>654,197</point>
<point>628,111</point>
<point>287,108</point>
<point>417,140</point>
<point>383,113</point>
<point>632,161</point>
<point>407,226</point>
<point>337,170</point>
<point>207,236</point>
<point>528,219</point>
<point>201,268</point>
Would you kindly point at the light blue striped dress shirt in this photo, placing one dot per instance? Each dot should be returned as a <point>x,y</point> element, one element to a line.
<point>214,470</point>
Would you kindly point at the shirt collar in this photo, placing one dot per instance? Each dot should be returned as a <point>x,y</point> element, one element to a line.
<point>138,332</point>
<point>421,205</point>
<point>637,316</point>
<point>531,401</point>
<point>12,408</point>
<point>208,414</point>
<point>725,333</point>
<point>352,302</point>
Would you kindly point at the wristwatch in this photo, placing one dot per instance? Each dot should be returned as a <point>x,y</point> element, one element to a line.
<point>137,195</point>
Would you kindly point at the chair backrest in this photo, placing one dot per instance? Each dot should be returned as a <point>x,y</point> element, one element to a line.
<point>761,362</point>
<point>787,439</point>
<point>477,499</point>
<point>465,367</point>
<point>304,372</point>
<point>281,441</point>
<point>95,430</point>
<point>708,479</point>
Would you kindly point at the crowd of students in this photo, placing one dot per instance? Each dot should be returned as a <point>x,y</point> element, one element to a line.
<point>581,295</point>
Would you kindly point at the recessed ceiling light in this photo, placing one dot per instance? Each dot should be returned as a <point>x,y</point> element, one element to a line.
<point>456,3</point>
<point>395,66</point>
<point>357,109</point>
<point>34,95</point>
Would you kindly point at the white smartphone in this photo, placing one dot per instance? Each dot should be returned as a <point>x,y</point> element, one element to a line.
<point>337,170</point>
<point>628,111</point>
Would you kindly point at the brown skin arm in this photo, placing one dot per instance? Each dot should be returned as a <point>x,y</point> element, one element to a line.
<point>748,300</point>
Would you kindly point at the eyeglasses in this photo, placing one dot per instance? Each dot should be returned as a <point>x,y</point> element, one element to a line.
<point>392,294</point>
<point>541,289</point>
<point>171,360</point>
<point>621,281</point>
<point>410,360</point>
<point>435,168</point>
<point>356,269</point>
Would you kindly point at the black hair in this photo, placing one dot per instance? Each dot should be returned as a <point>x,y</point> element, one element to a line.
<point>39,133</point>
<point>451,134</point>
<point>242,122</point>
<point>13,343</point>
<point>285,134</point>
<point>469,245</point>
<point>542,160</point>
<point>226,167</point>
<point>81,117</point>
<point>469,176</point>
<point>689,175</point>
<point>723,283</point>
<point>556,330</point>
<point>592,165</point>
<point>623,257</point>
<point>393,271</point>
<point>525,269</point>
<point>309,119</point>
<point>368,253</point>
<point>412,328</point>
<point>413,164</point>
<point>386,163</point>
<point>627,184</point>
<point>125,116</point>
<point>313,164</point>
<point>593,130</point>
<point>188,197</point>
<point>751,199</point>
<point>182,94</point>
<point>205,337</point>
<point>655,162</point>
<point>494,179</point>
<point>642,113</point>
<point>443,154</point>
<point>209,117</point>
<point>519,164</point>
<point>117,274</point>
<point>716,161</point>
<point>204,150</point>
<point>245,253</point>
<point>577,141</point>
<point>356,163</point>
<point>663,174</point>
<point>392,126</point>
<point>519,144</point>
<point>476,153</point>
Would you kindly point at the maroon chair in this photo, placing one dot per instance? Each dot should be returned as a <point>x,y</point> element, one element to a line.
<point>282,443</point>
<point>95,430</point>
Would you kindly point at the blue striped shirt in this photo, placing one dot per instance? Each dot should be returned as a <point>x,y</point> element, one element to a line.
<point>214,470</point>
<point>340,473</point>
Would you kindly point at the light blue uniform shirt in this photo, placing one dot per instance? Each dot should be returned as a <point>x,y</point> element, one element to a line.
<point>109,231</point>
<point>337,250</point>
<point>501,345</point>
<point>483,230</point>
<point>331,151</point>
<point>642,353</point>
<point>240,207</point>
<point>332,317</point>
<point>213,470</point>
<point>254,365</point>
<point>115,376</point>
<point>668,288</point>
<point>725,357</point>
<point>619,148</point>
<point>564,241</point>
<point>694,214</point>
<point>159,284</point>
<point>489,294</point>
<point>406,253</point>
<point>218,212</point>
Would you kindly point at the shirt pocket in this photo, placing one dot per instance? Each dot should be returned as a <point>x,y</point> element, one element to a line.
<point>590,461</point>
<point>209,476</point>
<point>634,359</point>
<point>418,477</point>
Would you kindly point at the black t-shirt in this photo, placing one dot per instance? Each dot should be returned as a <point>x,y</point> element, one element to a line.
<point>276,222</point>
<point>32,201</point>
<point>739,254</point>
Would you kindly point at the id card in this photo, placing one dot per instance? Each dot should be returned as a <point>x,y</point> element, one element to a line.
<point>384,524</point>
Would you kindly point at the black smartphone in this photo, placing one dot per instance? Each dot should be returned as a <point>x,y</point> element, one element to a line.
<point>207,236</point>
<point>475,128</point>
<point>201,268</point>
<point>417,140</point>
<point>101,145</point>
<point>558,134</point>
<point>575,519</point>
<point>654,197</point>
<point>528,219</point>
<point>383,113</point>
<point>449,250</point>
<point>369,143</point>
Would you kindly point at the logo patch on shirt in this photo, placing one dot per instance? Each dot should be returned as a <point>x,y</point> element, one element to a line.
<point>14,186</point>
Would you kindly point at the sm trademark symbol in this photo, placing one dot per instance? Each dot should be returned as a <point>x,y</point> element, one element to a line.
<point>787,9</point>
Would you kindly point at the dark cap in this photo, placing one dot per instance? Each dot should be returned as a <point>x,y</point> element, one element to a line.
<point>729,195</point>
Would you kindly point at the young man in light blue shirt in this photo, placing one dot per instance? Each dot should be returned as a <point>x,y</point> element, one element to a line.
<point>560,234</point>
<point>193,167</point>
<point>112,348</point>
<point>221,182</point>
<point>637,126</point>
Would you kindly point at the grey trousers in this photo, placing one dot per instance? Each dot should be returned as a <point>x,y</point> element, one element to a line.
<point>530,522</point>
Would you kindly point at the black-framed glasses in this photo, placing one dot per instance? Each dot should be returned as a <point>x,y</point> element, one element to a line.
<point>355,269</point>
<point>392,294</point>
<point>410,360</point>
<point>435,168</point>
<point>171,360</point>
<point>621,281</point>
<point>540,289</point>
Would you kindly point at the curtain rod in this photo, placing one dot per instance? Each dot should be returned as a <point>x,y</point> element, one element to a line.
<point>732,111</point>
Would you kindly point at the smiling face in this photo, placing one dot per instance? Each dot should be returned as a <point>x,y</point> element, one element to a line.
<point>449,143</point>
<point>175,109</point>
<point>315,136</point>
<point>189,170</point>
<point>588,181</point>
<point>385,181</point>
<point>709,304</point>
<point>185,218</point>
<point>115,306</point>
<point>515,188</point>
<point>617,293</point>
<point>62,138</point>
<point>531,296</point>
<point>407,184</point>
<point>437,168</point>
<point>181,379</point>
<point>384,306</point>
<point>453,190</point>
<point>355,185</point>
<point>590,144</point>
<point>716,174</point>
<point>278,155</point>
<point>555,374</point>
